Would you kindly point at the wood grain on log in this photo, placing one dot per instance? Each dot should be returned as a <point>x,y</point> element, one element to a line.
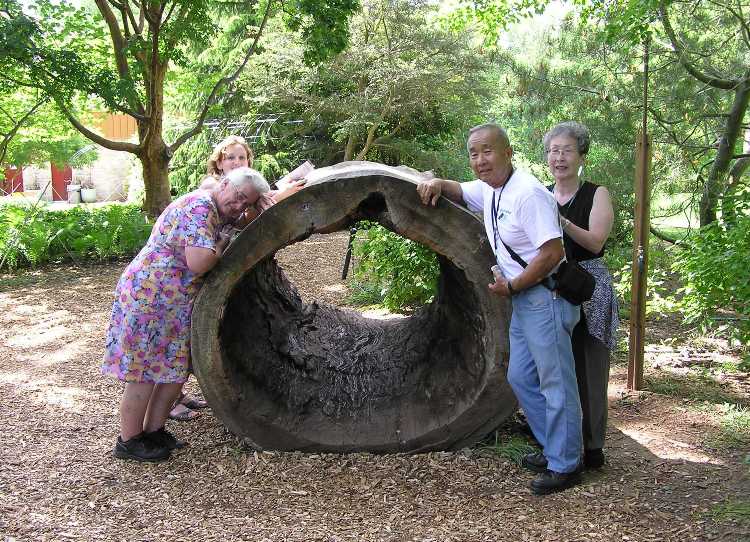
<point>286,375</point>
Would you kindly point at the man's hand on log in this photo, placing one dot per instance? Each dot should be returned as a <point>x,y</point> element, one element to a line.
<point>430,191</point>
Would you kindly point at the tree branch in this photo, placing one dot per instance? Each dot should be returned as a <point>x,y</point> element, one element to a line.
<point>155,63</point>
<point>224,81</point>
<point>96,138</point>
<point>682,55</point>
<point>118,42</point>
<point>17,126</point>
<point>664,237</point>
<point>740,19</point>
<point>368,142</point>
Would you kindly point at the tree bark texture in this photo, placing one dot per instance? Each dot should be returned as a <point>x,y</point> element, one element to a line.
<point>717,177</point>
<point>286,375</point>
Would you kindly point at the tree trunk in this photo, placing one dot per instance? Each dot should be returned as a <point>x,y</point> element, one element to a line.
<point>729,199</point>
<point>349,149</point>
<point>287,375</point>
<point>155,178</point>
<point>716,181</point>
<point>155,154</point>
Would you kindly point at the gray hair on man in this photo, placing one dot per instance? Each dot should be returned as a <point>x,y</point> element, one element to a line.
<point>244,176</point>
<point>500,134</point>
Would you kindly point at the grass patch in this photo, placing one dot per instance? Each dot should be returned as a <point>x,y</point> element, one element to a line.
<point>363,294</point>
<point>10,282</point>
<point>734,428</point>
<point>735,510</point>
<point>510,447</point>
<point>700,387</point>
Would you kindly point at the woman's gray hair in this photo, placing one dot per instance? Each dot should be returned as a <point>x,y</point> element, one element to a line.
<point>243,176</point>
<point>573,129</point>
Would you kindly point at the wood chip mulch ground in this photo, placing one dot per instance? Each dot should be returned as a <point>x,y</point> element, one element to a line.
<point>59,481</point>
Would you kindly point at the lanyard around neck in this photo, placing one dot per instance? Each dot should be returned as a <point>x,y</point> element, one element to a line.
<point>496,210</point>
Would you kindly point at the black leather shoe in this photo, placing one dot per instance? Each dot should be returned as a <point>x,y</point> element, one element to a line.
<point>535,462</point>
<point>165,439</point>
<point>593,459</point>
<point>140,448</point>
<point>551,481</point>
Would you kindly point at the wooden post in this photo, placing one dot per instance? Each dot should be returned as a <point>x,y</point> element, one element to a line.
<point>640,263</point>
<point>641,227</point>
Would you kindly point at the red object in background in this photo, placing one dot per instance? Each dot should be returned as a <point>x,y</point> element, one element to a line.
<point>60,180</point>
<point>13,181</point>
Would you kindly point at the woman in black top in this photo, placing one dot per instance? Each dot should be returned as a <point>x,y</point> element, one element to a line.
<point>587,216</point>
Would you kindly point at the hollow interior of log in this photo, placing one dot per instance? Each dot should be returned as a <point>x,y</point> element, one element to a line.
<point>313,367</point>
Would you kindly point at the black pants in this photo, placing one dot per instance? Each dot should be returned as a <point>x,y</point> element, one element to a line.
<point>592,359</point>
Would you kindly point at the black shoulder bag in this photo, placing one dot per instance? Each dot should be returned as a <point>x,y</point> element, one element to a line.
<point>572,282</point>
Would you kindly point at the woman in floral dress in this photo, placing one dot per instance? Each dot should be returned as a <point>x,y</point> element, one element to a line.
<point>148,339</point>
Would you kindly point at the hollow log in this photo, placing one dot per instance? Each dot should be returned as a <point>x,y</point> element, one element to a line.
<point>288,375</point>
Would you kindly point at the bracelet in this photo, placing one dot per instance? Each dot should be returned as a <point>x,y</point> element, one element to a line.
<point>510,289</point>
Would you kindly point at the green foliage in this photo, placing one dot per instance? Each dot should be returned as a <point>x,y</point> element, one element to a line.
<point>628,22</point>
<point>492,17</point>
<point>691,386</point>
<point>734,431</point>
<point>363,294</point>
<point>510,447</point>
<point>399,94</point>
<point>404,271</point>
<point>732,510</point>
<point>660,282</point>
<point>323,24</point>
<point>716,276</point>
<point>33,235</point>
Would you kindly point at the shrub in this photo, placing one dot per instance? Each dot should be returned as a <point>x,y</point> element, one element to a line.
<point>404,271</point>
<point>716,278</point>
<point>31,235</point>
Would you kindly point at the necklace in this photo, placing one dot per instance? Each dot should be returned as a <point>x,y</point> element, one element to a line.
<point>570,200</point>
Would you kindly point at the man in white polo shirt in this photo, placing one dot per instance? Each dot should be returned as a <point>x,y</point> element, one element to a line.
<point>520,214</point>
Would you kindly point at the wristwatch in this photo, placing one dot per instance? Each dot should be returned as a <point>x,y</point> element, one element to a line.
<point>510,289</point>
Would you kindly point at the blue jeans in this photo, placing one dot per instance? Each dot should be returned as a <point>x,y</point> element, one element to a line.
<point>542,373</point>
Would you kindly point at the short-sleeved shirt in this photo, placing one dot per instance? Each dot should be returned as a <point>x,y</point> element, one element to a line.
<point>148,339</point>
<point>526,214</point>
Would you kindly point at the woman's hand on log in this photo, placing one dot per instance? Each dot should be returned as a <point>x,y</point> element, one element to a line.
<point>285,188</point>
<point>222,242</point>
<point>265,201</point>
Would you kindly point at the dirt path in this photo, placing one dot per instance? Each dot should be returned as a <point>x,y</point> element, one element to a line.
<point>58,480</point>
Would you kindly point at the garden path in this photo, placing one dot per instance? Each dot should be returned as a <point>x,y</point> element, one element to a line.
<point>58,480</point>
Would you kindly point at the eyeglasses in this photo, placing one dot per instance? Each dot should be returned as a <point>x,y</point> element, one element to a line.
<point>561,151</point>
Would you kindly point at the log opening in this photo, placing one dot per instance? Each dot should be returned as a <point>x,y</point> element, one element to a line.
<point>286,375</point>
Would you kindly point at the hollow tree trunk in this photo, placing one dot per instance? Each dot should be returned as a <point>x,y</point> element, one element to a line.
<point>287,375</point>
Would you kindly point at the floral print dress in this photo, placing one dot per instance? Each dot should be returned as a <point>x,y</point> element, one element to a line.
<point>148,339</point>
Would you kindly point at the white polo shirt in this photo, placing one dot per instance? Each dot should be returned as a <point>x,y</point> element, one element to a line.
<point>526,217</point>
